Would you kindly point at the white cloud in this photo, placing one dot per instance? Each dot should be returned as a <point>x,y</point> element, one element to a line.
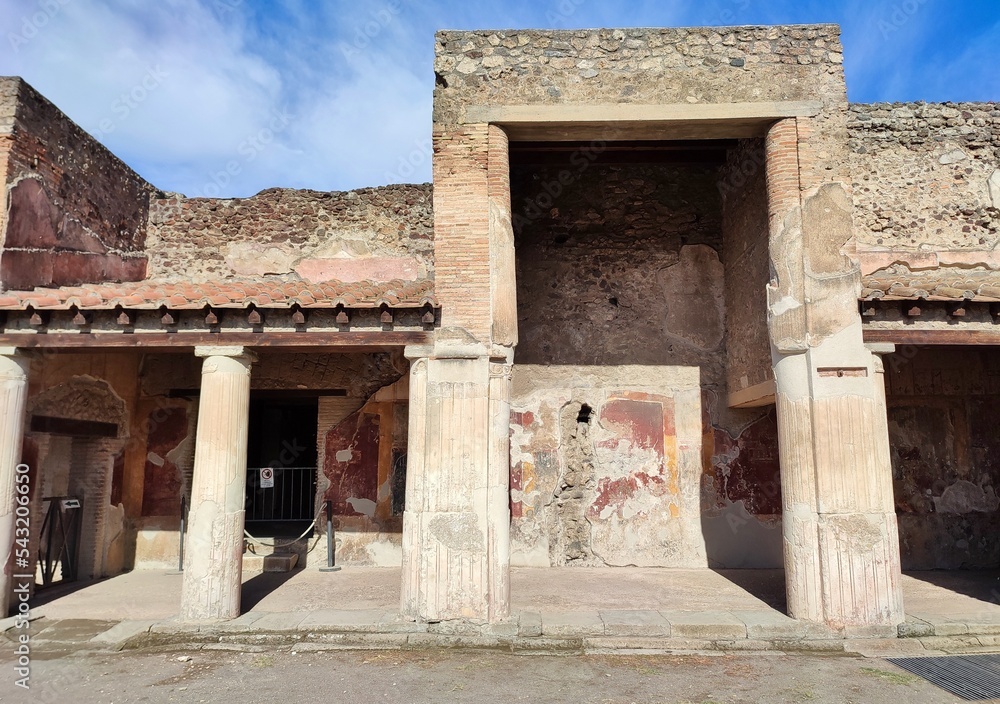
<point>183,89</point>
<point>355,78</point>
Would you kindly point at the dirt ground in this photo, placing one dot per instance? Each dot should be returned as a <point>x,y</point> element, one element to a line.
<point>463,676</point>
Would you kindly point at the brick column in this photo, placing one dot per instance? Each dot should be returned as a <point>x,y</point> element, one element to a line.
<point>841,544</point>
<point>456,526</point>
<point>213,556</point>
<point>13,394</point>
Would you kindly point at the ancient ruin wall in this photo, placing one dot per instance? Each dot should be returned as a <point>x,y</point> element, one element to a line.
<point>368,533</point>
<point>377,234</point>
<point>97,469</point>
<point>926,176</point>
<point>623,269</point>
<point>691,66</point>
<point>363,474</point>
<point>944,411</point>
<point>74,212</point>
<point>671,65</point>
<point>743,187</point>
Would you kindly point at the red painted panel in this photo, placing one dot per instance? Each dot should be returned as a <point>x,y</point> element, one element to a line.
<point>747,468</point>
<point>161,490</point>
<point>29,456</point>
<point>523,419</point>
<point>354,474</point>
<point>640,422</point>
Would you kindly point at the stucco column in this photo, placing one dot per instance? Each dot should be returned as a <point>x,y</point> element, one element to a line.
<point>213,556</point>
<point>839,523</point>
<point>498,487</point>
<point>13,393</point>
<point>456,522</point>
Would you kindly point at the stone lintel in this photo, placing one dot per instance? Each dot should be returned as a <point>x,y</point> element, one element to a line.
<point>638,122</point>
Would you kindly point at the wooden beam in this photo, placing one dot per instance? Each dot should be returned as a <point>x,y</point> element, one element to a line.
<point>934,337</point>
<point>757,395</point>
<point>158,340</point>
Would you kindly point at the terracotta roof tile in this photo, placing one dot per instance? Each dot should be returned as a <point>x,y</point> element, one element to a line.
<point>224,294</point>
<point>945,284</point>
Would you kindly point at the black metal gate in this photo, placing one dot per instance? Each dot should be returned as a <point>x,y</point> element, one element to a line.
<point>280,498</point>
<point>59,539</point>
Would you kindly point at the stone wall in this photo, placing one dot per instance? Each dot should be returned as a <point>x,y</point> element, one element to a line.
<point>926,176</point>
<point>643,66</point>
<point>927,191</point>
<point>623,268</point>
<point>944,411</point>
<point>746,254</point>
<point>489,70</point>
<point>620,292</point>
<point>605,466</point>
<point>74,212</point>
<point>377,234</point>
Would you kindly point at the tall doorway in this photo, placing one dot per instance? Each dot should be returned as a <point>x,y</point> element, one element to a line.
<point>281,465</point>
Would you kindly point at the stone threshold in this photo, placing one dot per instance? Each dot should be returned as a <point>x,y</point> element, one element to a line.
<point>574,632</point>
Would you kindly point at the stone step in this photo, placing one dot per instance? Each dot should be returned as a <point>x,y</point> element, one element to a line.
<point>280,563</point>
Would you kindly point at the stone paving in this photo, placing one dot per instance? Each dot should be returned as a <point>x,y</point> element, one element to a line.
<point>949,622</point>
<point>632,631</point>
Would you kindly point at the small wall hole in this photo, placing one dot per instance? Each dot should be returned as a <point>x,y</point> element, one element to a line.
<point>585,413</point>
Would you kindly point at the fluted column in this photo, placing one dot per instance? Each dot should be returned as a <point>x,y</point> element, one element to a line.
<point>416,450</point>
<point>213,556</point>
<point>456,522</point>
<point>839,523</point>
<point>498,489</point>
<point>13,392</point>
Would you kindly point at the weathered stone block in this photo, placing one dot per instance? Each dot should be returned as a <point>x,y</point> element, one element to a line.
<point>572,623</point>
<point>530,624</point>
<point>712,625</point>
<point>634,623</point>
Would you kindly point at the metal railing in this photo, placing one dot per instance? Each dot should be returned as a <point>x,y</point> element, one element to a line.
<point>291,498</point>
<point>60,536</point>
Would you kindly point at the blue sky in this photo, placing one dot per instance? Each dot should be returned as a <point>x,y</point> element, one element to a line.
<point>227,97</point>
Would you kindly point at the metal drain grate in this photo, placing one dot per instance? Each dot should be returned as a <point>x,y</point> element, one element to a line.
<point>971,677</point>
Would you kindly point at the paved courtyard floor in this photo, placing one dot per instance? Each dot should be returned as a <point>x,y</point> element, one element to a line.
<point>155,594</point>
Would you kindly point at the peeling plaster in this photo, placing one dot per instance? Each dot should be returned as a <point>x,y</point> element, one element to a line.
<point>364,506</point>
<point>965,497</point>
<point>459,532</point>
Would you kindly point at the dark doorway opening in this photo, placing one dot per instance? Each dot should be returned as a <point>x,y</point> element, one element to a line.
<point>281,466</point>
